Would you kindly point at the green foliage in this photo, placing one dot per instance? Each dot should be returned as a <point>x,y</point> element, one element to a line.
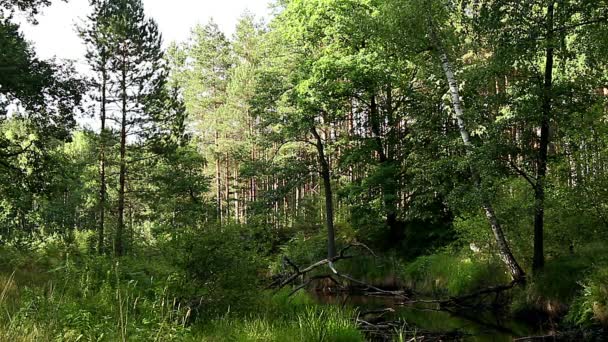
<point>569,285</point>
<point>222,268</point>
<point>228,142</point>
<point>61,294</point>
<point>453,274</point>
<point>283,318</point>
<point>591,305</point>
<point>58,293</point>
<point>49,93</point>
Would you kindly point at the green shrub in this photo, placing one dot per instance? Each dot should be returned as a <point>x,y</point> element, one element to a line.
<point>222,270</point>
<point>591,305</point>
<point>557,288</point>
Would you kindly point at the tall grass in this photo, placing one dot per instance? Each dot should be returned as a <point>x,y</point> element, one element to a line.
<point>453,274</point>
<point>310,323</point>
<point>72,297</point>
<point>571,284</point>
<point>62,294</point>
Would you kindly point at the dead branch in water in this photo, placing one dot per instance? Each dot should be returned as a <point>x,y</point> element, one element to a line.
<point>329,262</point>
<point>464,301</point>
<point>387,331</point>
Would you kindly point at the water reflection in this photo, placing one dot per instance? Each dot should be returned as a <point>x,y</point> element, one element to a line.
<point>477,326</point>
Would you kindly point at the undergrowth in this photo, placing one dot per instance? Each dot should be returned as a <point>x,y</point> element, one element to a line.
<point>56,292</point>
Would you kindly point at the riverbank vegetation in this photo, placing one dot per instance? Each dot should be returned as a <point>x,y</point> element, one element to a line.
<point>313,178</point>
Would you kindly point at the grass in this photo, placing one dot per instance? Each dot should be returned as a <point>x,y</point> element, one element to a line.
<point>70,296</point>
<point>57,292</point>
<point>572,285</point>
<point>63,294</point>
<point>311,323</point>
<point>453,274</point>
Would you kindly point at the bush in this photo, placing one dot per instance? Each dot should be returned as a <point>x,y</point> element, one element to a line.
<point>222,270</point>
<point>557,289</point>
<point>591,305</point>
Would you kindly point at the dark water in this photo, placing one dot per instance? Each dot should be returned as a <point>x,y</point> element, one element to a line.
<point>477,327</point>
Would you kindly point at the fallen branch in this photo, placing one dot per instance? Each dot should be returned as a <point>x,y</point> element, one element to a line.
<point>298,272</point>
<point>538,338</point>
<point>366,285</point>
<point>380,312</point>
<point>310,280</point>
<point>496,290</point>
<point>460,301</point>
<point>387,331</point>
<point>329,262</point>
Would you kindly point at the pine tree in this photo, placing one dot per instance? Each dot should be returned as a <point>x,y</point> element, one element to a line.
<point>126,53</point>
<point>95,36</point>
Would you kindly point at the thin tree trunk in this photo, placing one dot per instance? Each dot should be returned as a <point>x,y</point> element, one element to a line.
<point>237,212</point>
<point>389,192</point>
<point>102,161</point>
<point>218,180</point>
<point>503,247</point>
<point>227,186</point>
<point>119,243</point>
<point>538,261</point>
<point>329,204</point>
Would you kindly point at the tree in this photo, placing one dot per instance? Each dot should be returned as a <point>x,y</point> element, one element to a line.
<point>125,50</point>
<point>38,102</point>
<point>428,32</point>
<point>205,78</point>
<point>30,7</point>
<point>529,51</point>
<point>95,35</point>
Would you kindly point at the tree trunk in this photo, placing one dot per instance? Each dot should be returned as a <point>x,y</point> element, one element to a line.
<point>218,180</point>
<point>227,186</point>
<point>119,243</point>
<point>538,261</point>
<point>503,247</point>
<point>329,204</point>
<point>102,162</point>
<point>389,191</point>
<point>235,181</point>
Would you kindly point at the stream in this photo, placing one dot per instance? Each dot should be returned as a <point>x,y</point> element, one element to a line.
<point>475,326</point>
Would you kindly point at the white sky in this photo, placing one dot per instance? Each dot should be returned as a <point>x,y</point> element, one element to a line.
<point>55,35</point>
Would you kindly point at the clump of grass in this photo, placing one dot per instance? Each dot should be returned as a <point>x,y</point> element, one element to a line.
<point>453,274</point>
<point>308,323</point>
<point>550,291</point>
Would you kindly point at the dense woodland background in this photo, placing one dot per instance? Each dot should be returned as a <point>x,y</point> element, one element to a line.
<point>464,142</point>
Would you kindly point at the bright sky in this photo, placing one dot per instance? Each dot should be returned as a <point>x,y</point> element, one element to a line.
<point>55,35</point>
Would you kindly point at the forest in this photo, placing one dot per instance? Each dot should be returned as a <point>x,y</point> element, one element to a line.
<point>346,170</point>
